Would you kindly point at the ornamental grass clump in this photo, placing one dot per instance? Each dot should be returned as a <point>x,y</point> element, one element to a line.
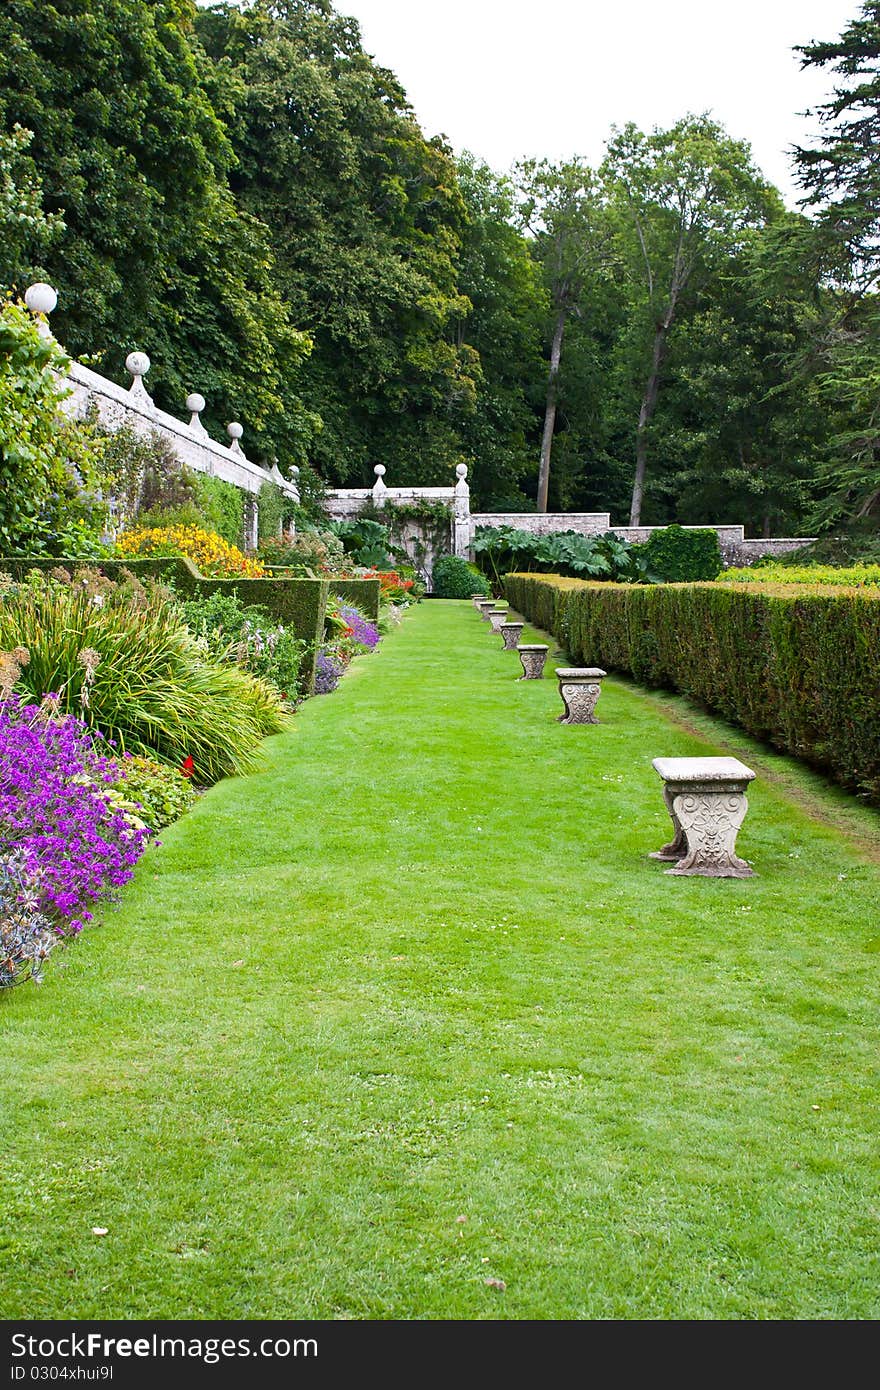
<point>75,844</point>
<point>134,672</point>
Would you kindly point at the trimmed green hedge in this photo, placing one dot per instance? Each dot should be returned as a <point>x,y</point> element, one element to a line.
<point>364,593</point>
<point>299,604</point>
<point>800,670</point>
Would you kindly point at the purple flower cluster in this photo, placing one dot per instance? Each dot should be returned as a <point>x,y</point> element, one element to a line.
<point>58,809</point>
<point>362,631</point>
<point>327,672</point>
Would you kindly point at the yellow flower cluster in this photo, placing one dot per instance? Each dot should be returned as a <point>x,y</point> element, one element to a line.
<point>210,553</point>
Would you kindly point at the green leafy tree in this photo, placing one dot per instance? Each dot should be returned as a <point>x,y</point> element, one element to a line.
<point>840,177</point>
<point>24,227</point>
<point>503,282</point>
<point>366,220</point>
<point>154,252</point>
<point>561,205</point>
<point>687,199</point>
<point>742,424</point>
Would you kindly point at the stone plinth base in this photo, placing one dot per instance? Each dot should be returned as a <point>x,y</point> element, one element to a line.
<point>579,687</point>
<point>510,635</point>
<point>532,655</point>
<point>707,804</point>
<point>496,617</point>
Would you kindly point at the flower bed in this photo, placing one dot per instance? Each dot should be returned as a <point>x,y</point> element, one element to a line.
<point>74,837</point>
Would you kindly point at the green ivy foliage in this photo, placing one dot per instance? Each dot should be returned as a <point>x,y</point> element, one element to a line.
<point>678,555</point>
<point>48,461</point>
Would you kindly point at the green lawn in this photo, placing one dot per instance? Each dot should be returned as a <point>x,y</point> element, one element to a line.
<point>412,1010</point>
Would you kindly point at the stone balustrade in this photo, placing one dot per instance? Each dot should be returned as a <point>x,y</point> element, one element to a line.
<point>133,406</point>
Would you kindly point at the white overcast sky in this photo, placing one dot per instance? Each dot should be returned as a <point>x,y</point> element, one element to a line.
<point>507,79</point>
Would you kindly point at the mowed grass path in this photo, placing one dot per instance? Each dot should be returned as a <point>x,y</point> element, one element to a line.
<point>411,1010</point>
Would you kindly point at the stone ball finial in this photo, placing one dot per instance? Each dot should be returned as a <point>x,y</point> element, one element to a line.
<point>40,298</point>
<point>379,470</point>
<point>195,403</point>
<point>461,470</point>
<point>138,363</point>
<point>234,430</point>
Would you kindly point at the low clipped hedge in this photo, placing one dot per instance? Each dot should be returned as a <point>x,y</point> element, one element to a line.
<point>800,669</point>
<point>299,604</point>
<point>363,593</point>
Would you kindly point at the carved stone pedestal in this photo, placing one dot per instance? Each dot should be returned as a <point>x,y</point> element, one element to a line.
<point>496,617</point>
<point>477,599</point>
<point>706,800</point>
<point>510,635</point>
<point>532,655</point>
<point>580,688</point>
<point>483,608</point>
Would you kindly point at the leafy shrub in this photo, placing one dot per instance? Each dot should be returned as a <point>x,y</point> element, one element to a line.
<point>26,935</point>
<point>248,635</point>
<point>792,665</point>
<point>308,553</point>
<point>368,542</point>
<point>158,794</point>
<point>57,809</point>
<point>271,510</point>
<point>679,555</point>
<point>504,549</point>
<point>129,666</point>
<point>48,461</point>
<point>208,551</point>
<point>454,577</point>
<point>398,586</point>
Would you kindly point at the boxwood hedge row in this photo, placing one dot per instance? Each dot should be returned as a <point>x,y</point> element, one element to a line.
<point>800,669</point>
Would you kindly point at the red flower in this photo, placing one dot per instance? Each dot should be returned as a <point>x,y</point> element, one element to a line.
<point>186,767</point>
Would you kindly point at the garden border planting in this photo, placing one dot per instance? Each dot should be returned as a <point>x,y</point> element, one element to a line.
<point>298,603</point>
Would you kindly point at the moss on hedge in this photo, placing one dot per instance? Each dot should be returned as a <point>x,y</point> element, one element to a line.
<point>798,668</point>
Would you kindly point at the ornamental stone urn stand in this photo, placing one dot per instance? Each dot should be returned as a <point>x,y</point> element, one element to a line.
<point>706,799</point>
<point>483,608</point>
<point>510,635</point>
<point>580,688</point>
<point>496,617</point>
<point>532,655</point>
<point>477,599</point>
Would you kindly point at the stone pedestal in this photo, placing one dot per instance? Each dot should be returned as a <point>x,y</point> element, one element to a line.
<point>706,801</point>
<point>532,655</point>
<point>477,599</point>
<point>483,608</point>
<point>496,617</point>
<point>510,633</point>
<point>580,688</point>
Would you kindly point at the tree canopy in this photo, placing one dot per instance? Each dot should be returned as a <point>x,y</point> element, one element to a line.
<point>245,193</point>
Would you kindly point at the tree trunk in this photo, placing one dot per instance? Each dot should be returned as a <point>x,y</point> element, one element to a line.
<point>550,412</point>
<point>649,402</point>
